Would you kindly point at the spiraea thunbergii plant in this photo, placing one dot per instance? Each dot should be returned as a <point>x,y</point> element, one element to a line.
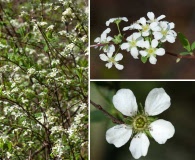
<point>43,79</point>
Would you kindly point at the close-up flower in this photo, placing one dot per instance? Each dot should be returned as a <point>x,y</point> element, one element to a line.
<point>112,60</point>
<point>139,124</point>
<point>151,51</point>
<point>164,32</point>
<point>133,41</point>
<point>104,40</point>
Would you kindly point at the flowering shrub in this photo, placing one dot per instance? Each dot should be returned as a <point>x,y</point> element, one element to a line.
<point>43,79</point>
<point>146,41</point>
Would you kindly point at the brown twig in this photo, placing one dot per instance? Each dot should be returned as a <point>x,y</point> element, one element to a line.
<point>114,120</point>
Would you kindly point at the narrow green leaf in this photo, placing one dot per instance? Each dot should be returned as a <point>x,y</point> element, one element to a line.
<point>184,41</point>
<point>184,53</point>
<point>144,59</point>
<point>193,46</point>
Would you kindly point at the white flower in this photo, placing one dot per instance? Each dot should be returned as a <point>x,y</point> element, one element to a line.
<point>164,32</point>
<point>134,41</point>
<point>151,51</point>
<point>112,60</point>
<point>161,130</point>
<point>67,12</point>
<point>154,21</point>
<point>103,39</point>
<point>115,19</point>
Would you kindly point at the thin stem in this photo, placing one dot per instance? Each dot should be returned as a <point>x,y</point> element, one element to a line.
<point>114,120</point>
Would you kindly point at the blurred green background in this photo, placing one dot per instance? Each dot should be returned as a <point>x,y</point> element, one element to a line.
<point>181,12</point>
<point>181,114</point>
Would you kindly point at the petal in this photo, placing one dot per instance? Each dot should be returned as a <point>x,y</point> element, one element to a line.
<point>134,52</point>
<point>109,65</point>
<point>153,25</point>
<point>104,34</point>
<point>152,60</point>
<point>110,54</point>
<point>139,145</point>
<point>136,26</point>
<point>145,33</point>
<point>157,35</point>
<point>161,130</point>
<point>143,53</point>
<point>170,38</point>
<point>171,25</point>
<point>125,102</point>
<point>161,17</point>
<point>108,39</point>
<point>136,35</point>
<point>118,135</point>
<point>125,46</point>
<point>157,101</point>
<point>119,66</point>
<point>126,28</point>
<point>103,57</point>
<point>111,48</point>
<point>142,21</point>
<point>150,15</point>
<point>147,44</point>
<point>97,40</point>
<point>118,57</point>
<point>160,52</point>
<point>154,43</point>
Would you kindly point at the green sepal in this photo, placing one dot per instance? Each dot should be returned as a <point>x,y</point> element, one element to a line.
<point>184,41</point>
<point>144,59</point>
<point>117,39</point>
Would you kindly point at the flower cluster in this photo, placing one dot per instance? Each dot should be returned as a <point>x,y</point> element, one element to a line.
<point>140,124</point>
<point>146,41</point>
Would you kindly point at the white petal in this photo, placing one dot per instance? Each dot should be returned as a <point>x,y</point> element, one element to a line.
<point>145,33</point>
<point>152,60</point>
<point>118,57</point>
<point>134,52</point>
<point>170,38</point>
<point>140,43</point>
<point>111,48</point>
<point>109,65</point>
<point>110,54</point>
<point>97,40</point>
<point>108,39</point>
<point>160,52</point>
<point>156,29</point>
<point>136,35</point>
<point>154,43</point>
<point>125,46</point>
<point>161,130</point>
<point>139,145</point>
<point>104,34</point>
<point>153,25</point>
<point>137,26</point>
<point>103,57</point>
<point>126,28</point>
<point>157,101</point>
<point>147,44</point>
<point>171,25</point>
<point>143,53</point>
<point>118,135</point>
<point>142,21</point>
<point>124,19</point>
<point>150,15</point>
<point>161,17</point>
<point>157,35</point>
<point>119,66</point>
<point>125,102</point>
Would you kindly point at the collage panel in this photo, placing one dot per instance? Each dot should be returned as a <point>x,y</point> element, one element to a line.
<point>142,39</point>
<point>44,79</point>
<point>142,120</point>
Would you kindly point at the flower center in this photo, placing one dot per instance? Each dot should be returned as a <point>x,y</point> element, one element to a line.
<point>151,51</point>
<point>145,28</point>
<point>133,43</point>
<point>140,123</point>
<point>164,32</point>
<point>111,59</point>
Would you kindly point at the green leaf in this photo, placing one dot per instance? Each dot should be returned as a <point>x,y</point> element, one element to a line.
<point>184,53</point>
<point>144,59</point>
<point>184,41</point>
<point>193,46</point>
